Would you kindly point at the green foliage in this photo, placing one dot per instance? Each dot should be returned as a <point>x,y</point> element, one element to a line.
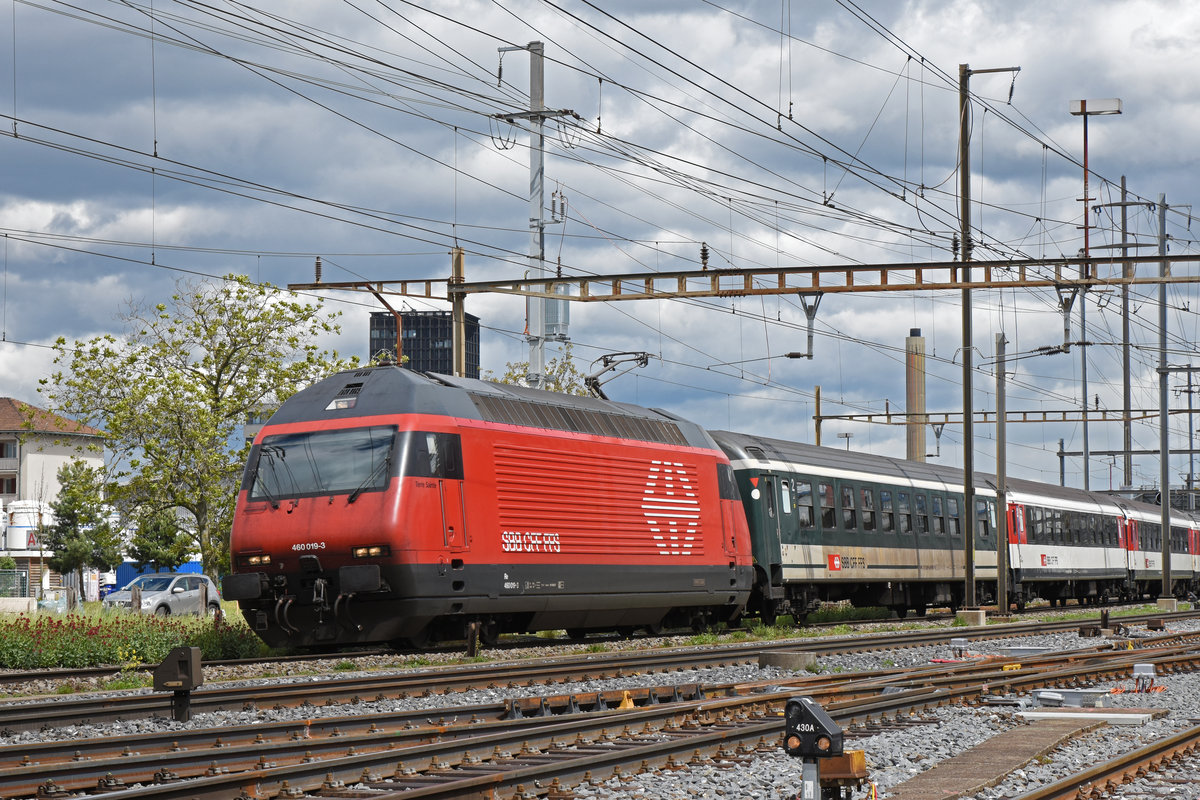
<point>218,639</point>
<point>81,535</point>
<point>702,639</point>
<point>158,541</point>
<point>172,393</point>
<point>847,613</point>
<point>561,375</point>
<point>77,640</point>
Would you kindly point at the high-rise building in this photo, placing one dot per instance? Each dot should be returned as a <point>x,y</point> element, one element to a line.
<point>426,338</point>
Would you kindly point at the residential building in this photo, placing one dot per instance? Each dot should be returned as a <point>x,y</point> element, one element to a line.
<point>34,444</point>
<point>426,338</point>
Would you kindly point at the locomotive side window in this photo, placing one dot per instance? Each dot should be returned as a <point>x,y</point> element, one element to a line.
<point>868,509</point>
<point>804,503</point>
<point>922,513</point>
<point>726,485</point>
<point>427,454</point>
<point>849,515</point>
<point>952,511</point>
<point>351,460</point>
<point>828,511</point>
<point>886,523</point>
<point>905,512</point>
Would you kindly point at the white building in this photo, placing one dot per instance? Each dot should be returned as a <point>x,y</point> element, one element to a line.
<point>34,444</point>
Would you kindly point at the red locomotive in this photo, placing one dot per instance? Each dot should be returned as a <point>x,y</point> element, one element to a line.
<point>381,505</point>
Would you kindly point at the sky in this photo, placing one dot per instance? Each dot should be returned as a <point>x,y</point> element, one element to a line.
<point>146,143</point>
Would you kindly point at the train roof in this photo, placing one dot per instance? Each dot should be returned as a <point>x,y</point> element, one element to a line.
<point>739,446</point>
<point>373,391</point>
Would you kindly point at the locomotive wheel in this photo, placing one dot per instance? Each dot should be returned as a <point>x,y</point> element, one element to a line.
<point>489,632</point>
<point>419,641</point>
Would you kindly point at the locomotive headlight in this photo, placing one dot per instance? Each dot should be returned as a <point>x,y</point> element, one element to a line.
<point>256,561</point>
<point>370,551</point>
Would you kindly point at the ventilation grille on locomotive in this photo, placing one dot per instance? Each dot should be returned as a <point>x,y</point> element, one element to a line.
<point>577,420</point>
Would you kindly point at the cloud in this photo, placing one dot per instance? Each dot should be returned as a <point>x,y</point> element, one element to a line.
<point>376,144</point>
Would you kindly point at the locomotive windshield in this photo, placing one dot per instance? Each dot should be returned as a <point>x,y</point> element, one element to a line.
<point>353,460</point>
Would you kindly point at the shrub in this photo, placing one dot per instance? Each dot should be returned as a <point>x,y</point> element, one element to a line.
<point>89,640</point>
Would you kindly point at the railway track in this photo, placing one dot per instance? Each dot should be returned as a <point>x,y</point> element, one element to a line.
<point>1162,768</point>
<point>513,747</point>
<point>34,714</point>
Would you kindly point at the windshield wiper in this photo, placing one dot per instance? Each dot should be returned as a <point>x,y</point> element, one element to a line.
<point>366,484</point>
<point>261,485</point>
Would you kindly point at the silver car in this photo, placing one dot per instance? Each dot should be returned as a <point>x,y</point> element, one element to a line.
<point>166,593</point>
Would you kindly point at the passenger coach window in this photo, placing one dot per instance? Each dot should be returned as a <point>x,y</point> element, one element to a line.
<point>849,517</point>
<point>922,514</point>
<point>785,496</point>
<point>868,510</point>
<point>905,512</point>
<point>828,511</point>
<point>985,513</point>
<point>804,504</point>
<point>885,511</point>
<point>952,510</point>
<point>938,523</point>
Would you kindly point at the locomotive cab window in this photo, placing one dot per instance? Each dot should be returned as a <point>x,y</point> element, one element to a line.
<point>346,461</point>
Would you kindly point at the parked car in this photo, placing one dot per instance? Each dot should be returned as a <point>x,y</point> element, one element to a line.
<point>166,593</point>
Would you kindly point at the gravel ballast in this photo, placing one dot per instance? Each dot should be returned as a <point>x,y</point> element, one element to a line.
<point>893,756</point>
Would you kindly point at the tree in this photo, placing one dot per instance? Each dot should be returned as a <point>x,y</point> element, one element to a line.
<point>561,374</point>
<point>81,535</point>
<point>158,541</point>
<point>173,392</point>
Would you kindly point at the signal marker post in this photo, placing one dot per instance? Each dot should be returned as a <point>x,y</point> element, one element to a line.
<point>812,735</point>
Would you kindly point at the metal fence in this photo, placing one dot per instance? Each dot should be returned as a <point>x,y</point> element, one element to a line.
<point>14,583</point>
